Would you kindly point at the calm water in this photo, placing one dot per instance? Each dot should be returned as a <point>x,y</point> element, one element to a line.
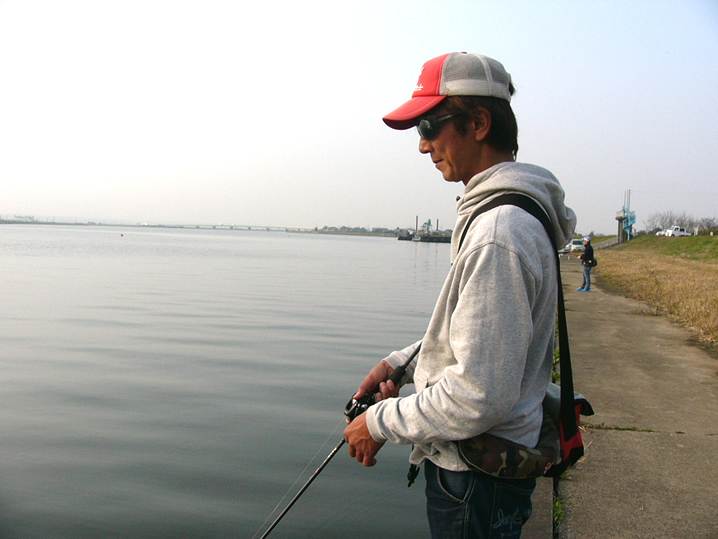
<point>177,383</point>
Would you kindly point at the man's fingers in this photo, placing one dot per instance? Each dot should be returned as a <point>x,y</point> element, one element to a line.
<point>366,460</point>
<point>386,390</point>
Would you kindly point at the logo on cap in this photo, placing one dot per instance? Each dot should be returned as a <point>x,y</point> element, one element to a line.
<point>419,86</point>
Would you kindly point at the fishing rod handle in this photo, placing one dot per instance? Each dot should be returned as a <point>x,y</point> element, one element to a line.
<point>356,407</point>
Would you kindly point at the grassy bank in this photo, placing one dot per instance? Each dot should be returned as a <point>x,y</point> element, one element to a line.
<point>679,276</point>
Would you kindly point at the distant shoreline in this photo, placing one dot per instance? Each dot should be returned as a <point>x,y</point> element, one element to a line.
<point>244,228</point>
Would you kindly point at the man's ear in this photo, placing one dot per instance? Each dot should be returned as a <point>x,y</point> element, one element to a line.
<point>481,124</point>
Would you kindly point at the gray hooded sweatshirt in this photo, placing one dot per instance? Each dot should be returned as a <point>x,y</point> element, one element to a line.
<point>487,354</point>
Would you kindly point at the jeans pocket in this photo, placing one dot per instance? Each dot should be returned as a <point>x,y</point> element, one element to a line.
<point>455,485</point>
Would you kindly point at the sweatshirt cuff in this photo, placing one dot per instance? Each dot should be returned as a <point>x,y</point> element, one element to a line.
<point>372,425</point>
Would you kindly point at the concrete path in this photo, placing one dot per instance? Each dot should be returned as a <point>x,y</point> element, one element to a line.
<point>651,464</point>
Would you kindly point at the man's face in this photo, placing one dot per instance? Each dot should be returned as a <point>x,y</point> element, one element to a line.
<point>451,152</point>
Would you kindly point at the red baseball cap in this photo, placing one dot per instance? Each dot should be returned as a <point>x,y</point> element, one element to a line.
<point>454,73</point>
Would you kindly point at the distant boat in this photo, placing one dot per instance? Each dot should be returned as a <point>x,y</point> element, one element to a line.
<point>433,238</point>
<point>426,234</point>
<point>409,236</point>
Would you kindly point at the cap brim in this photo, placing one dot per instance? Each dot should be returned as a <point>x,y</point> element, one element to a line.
<point>407,115</point>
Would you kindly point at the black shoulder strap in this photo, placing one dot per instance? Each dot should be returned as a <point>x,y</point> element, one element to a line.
<point>568,412</point>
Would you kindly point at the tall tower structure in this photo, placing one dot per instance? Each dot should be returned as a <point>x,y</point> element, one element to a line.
<point>626,219</point>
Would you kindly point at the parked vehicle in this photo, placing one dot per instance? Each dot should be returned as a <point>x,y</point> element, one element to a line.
<point>677,232</point>
<point>566,249</point>
<point>577,245</point>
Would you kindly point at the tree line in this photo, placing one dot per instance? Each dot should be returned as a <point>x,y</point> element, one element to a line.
<point>666,219</point>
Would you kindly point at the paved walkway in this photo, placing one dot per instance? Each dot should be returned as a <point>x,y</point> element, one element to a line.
<point>651,463</point>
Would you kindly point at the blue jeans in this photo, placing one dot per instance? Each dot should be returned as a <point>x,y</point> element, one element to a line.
<point>586,278</point>
<point>472,505</point>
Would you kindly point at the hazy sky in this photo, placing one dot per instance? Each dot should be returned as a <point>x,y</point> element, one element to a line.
<point>269,113</point>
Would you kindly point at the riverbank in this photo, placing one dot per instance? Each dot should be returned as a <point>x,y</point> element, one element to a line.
<point>332,231</point>
<point>676,276</point>
<point>651,462</point>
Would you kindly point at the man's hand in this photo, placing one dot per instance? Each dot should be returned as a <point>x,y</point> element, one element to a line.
<point>361,445</point>
<point>376,380</point>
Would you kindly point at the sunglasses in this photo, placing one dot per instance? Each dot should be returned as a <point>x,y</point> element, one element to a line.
<point>428,126</point>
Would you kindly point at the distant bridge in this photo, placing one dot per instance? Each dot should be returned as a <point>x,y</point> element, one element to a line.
<point>233,227</point>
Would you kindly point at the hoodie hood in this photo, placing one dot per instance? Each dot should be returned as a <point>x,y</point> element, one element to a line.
<point>509,177</point>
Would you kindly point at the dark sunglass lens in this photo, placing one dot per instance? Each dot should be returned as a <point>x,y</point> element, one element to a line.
<point>426,129</point>
<point>429,127</point>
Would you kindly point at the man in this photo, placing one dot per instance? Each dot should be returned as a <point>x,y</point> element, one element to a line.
<point>486,358</point>
<point>586,258</point>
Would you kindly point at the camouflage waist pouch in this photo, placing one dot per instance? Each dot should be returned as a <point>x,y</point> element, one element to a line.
<point>502,458</point>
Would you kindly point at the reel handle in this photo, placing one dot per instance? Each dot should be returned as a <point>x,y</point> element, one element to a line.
<point>356,407</point>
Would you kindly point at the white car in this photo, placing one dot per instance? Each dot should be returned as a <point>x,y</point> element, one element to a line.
<point>677,231</point>
<point>577,245</point>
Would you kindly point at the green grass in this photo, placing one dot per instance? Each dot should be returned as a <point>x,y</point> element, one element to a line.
<point>675,276</point>
<point>598,239</point>
<point>603,426</point>
<point>558,511</point>
<point>701,248</point>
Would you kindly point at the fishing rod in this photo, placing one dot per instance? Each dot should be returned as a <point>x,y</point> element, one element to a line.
<point>354,408</point>
<point>306,485</point>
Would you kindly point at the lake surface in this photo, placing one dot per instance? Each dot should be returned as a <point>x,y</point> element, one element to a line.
<point>180,382</point>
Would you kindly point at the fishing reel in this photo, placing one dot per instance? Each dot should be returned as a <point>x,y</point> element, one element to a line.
<point>355,407</point>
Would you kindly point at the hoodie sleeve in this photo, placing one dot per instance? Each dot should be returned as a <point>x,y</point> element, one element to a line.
<point>490,331</point>
<point>400,357</point>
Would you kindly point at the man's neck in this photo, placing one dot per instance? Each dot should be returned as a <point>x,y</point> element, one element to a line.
<point>489,157</point>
